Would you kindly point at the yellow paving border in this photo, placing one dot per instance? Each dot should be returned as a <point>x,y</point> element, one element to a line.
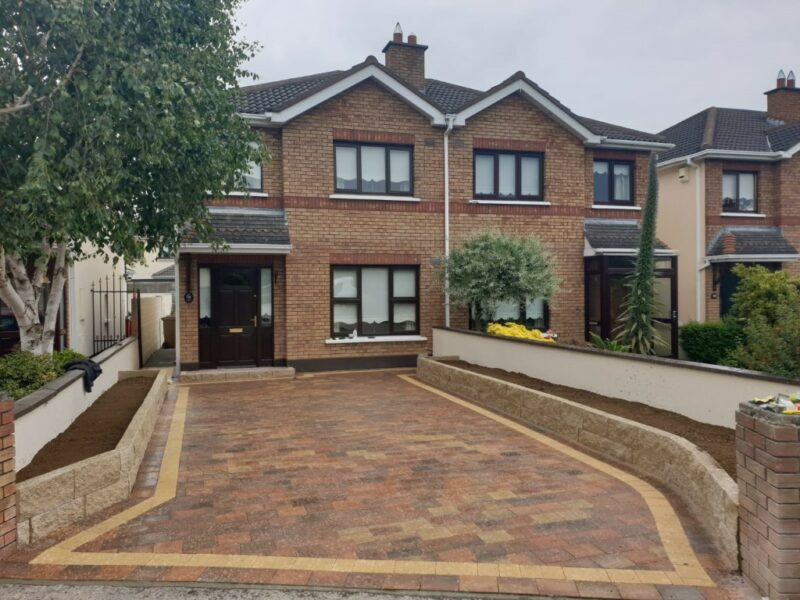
<point>687,569</point>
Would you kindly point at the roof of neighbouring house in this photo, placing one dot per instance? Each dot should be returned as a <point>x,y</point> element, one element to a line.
<point>732,129</point>
<point>616,234</point>
<point>165,273</point>
<point>246,226</point>
<point>449,98</point>
<point>750,241</point>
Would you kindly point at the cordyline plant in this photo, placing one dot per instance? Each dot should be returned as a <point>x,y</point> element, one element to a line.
<point>117,119</point>
<point>637,330</point>
<point>494,267</point>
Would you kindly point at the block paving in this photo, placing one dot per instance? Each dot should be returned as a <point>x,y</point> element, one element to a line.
<point>368,480</point>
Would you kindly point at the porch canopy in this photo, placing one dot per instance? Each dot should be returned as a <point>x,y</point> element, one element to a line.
<point>244,231</point>
<point>743,244</point>
<point>618,237</point>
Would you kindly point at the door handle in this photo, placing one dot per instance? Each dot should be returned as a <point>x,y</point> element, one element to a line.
<point>255,321</point>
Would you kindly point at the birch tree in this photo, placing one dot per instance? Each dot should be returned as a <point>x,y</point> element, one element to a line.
<point>117,120</point>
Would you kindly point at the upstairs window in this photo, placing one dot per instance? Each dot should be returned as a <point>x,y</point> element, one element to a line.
<point>373,169</point>
<point>613,182</point>
<point>738,192</point>
<point>252,176</point>
<point>508,175</point>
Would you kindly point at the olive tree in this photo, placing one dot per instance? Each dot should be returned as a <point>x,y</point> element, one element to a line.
<point>117,120</point>
<point>495,267</point>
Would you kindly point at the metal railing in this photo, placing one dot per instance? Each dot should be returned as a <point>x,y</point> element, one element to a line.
<point>112,320</point>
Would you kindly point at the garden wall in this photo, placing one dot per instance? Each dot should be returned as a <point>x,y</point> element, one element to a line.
<point>48,411</point>
<point>54,500</point>
<point>151,332</point>
<point>673,461</point>
<point>705,393</point>
<point>8,498</point>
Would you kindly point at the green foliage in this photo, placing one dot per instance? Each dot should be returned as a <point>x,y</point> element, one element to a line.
<point>772,347</point>
<point>611,345</point>
<point>22,373</point>
<point>711,342</point>
<point>636,329</point>
<point>764,293</point>
<point>495,267</point>
<point>117,120</point>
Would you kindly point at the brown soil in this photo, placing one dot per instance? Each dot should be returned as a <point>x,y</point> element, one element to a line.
<point>719,442</point>
<point>98,429</point>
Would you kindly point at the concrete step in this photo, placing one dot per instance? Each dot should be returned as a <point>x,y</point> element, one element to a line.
<point>239,374</point>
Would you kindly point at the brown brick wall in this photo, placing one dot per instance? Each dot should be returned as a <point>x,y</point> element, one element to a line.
<point>326,231</point>
<point>8,490</point>
<point>768,470</point>
<point>784,105</point>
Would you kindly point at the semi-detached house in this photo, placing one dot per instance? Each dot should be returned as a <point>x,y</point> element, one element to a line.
<point>376,170</point>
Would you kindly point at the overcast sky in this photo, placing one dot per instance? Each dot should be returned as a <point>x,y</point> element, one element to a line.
<point>641,64</point>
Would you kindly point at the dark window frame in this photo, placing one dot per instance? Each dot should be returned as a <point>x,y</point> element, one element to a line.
<point>386,149</point>
<point>611,185</point>
<point>738,198</point>
<point>392,299</point>
<point>518,195</point>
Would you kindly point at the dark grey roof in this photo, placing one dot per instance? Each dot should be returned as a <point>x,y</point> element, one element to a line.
<point>729,129</point>
<point>751,240</point>
<point>165,273</point>
<point>246,226</point>
<point>448,97</point>
<point>621,234</point>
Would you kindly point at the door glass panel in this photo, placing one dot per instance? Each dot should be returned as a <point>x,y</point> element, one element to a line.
<point>405,317</point>
<point>405,283</point>
<point>374,301</point>
<point>594,298</point>
<point>484,174</point>
<point>529,176</point>
<point>344,283</point>
<point>400,170</point>
<point>346,171</point>
<point>204,301</point>
<point>373,169</point>
<point>235,278</point>
<point>663,289</point>
<point>663,346</point>
<point>344,318</point>
<point>617,294</point>
<point>266,297</point>
<point>508,175</point>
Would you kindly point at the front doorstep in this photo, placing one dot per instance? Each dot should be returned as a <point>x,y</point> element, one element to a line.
<point>236,374</point>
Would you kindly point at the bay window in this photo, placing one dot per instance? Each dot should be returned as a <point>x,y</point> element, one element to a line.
<point>373,169</point>
<point>374,300</point>
<point>508,175</point>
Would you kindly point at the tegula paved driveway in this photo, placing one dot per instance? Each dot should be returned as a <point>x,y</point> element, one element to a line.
<point>376,480</point>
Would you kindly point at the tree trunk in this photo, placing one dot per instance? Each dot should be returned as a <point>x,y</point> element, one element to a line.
<point>21,291</point>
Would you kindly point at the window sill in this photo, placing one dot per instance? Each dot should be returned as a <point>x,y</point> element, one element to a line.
<point>251,194</point>
<point>381,197</point>
<point>511,202</point>
<point>378,339</point>
<point>614,207</point>
<point>744,215</point>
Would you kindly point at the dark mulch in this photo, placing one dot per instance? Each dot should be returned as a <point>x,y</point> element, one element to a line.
<point>719,442</point>
<point>98,429</point>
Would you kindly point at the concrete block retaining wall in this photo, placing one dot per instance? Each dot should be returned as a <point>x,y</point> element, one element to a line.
<point>54,500</point>
<point>681,466</point>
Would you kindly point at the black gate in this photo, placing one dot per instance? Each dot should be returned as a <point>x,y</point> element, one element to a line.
<point>112,320</point>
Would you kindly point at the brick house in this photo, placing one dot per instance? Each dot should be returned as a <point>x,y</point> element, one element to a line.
<point>375,171</point>
<point>730,193</point>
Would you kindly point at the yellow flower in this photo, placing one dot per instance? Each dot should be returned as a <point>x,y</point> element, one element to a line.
<point>517,330</point>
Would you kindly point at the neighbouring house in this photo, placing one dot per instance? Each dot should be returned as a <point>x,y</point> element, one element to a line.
<point>730,194</point>
<point>376,172</point>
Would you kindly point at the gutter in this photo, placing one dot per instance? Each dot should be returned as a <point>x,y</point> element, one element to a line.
<point>449,119</point>
<point>727,154</point>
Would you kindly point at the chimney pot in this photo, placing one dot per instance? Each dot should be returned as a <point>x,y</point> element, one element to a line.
<point>412,39</point>
<point>790,82</point>
<point>781,79</point>
<point>397,36</point>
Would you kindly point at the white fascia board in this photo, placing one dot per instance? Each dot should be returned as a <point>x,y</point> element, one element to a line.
<point>634,251</point>
<point>537,98</point>
<point>728,258</point>
<point>792,151</point>
<point>725,154</point>
<point>237,249</point>
<point>434,114</point>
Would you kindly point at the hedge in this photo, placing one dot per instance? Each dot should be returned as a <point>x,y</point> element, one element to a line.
<point>710,342</point>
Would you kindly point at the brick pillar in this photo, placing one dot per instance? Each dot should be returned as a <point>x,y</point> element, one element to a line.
<point>768,469</point>
<point>8,476</point>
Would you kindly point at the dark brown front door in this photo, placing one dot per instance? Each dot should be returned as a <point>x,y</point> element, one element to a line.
<point>237,309</point>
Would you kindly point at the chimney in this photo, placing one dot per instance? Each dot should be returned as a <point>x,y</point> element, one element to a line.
<point>728,243</point>
<point>406,60</point>
<point>783,102</point>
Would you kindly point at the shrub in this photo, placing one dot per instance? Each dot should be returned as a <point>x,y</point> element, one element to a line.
<point>770,347</point>
<point>762,292</point>
<point>22,373</point>
<point>607,344</point>
<point>711,342</point>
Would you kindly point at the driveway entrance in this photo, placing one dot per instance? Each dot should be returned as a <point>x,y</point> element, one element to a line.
<point>375,480</point>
